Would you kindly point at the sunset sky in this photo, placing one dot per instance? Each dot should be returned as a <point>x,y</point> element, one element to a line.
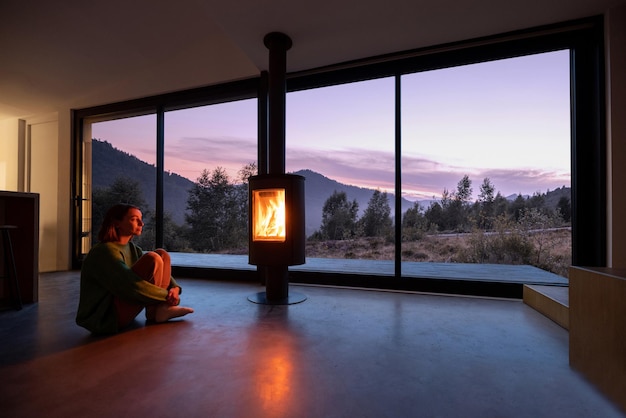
<point>508,120</point>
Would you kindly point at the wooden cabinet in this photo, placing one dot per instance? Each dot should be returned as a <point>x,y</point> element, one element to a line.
<point>597,325</point>
<point>22,210</point>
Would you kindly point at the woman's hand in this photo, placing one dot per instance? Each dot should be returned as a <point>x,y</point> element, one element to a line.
<point>173,297</point>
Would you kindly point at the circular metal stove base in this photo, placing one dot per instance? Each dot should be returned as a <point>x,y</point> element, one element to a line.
<point>292,299</point>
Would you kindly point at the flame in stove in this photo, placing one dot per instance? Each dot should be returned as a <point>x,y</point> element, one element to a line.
<point>268,215</point>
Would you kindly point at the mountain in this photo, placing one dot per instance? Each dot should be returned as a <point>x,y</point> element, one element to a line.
<point>552,197</point>
<point>109,163</point>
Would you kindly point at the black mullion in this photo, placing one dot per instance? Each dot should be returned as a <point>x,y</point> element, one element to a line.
<point>588,155</point>
<point>160,158</point>
<point>398,197</point>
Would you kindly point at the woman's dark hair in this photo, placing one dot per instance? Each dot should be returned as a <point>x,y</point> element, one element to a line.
<point>107,232</point>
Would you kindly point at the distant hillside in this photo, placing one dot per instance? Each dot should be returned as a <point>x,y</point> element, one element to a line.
<point>109,163</point>
<point>318,188</point>
<point>553,197</point>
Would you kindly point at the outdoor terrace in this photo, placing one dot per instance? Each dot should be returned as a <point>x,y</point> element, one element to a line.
<point>498,280</point>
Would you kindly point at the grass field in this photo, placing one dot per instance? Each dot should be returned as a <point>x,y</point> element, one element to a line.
<point>549,250</point>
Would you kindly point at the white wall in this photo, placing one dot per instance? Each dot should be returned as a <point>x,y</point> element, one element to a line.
<point>9,139</point>
<point>48,162</point>
<point>35,156</point>
<point>43,178</point>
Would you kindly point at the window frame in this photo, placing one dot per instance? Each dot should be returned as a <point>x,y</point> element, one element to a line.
<point>158,105</point>
<point>584,39</point>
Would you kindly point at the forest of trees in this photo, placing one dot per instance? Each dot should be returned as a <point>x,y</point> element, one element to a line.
<point>497,230</point>
<point>454,213</point>
<point>502,230</point>
<point>217,218</point>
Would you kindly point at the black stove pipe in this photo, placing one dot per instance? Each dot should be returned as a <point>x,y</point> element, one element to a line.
<point>278,44</point>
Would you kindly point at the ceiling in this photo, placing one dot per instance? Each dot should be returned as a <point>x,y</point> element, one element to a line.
<point>76,53</point>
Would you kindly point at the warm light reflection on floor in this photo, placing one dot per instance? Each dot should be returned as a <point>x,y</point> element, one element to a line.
<point>274,381</point>
<point>274,377</point>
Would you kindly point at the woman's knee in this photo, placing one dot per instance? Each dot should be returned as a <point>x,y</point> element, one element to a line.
<point>152,257</point>
<point>163,254</point>
<point>148,265</point>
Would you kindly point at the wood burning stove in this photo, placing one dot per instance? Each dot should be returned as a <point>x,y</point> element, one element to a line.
<point>277,235</point>
<point>276,212</point>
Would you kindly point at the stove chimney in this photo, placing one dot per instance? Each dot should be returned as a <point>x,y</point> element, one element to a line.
<point>278,45</point>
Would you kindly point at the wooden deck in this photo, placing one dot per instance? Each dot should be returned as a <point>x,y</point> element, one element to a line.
<point>495,273</point>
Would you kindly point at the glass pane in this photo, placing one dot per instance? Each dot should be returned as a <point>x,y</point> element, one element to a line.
<point>210,152</point>
<point>341,139</point>
<point>123,156</point>
<point>86,237</point>
<point>486,161</point>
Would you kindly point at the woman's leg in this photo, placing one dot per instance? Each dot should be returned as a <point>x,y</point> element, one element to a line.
<point>126,312</point>
<point>150,267</point>
<point>166,272</point>
<point>154,267</point>
<point>159,269</point>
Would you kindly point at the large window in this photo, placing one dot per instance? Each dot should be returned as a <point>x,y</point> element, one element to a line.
<point>209,153</point>
<point>486,160</point>
<point>475,139</point>
<point>485,165</point>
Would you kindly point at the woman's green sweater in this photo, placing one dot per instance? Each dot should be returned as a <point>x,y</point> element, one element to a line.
<point>106,273</point>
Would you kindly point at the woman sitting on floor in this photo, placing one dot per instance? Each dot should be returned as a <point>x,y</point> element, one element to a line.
<point>118,280</point>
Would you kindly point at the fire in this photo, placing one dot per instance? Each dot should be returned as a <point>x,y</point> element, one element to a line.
<point>268,215</point>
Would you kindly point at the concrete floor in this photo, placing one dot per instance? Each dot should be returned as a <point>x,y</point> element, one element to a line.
<point>341,353</point>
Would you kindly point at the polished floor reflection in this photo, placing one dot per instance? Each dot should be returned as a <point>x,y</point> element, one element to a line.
<point>341,353</point>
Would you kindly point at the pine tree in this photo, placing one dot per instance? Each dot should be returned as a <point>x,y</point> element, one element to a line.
<point>376,221</point>
<point>339,217</point>
<point>486,204</point>
<point>216,215</point>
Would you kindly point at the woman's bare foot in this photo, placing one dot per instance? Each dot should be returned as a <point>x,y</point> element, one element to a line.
<point>164,312</point>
